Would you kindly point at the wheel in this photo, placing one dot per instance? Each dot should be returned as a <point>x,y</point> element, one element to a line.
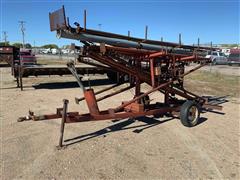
<point>214,62</point>
<point>190,113</point>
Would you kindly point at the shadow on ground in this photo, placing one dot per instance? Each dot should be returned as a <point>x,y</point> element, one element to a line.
<point>4,65</point>
<point>216,100</point>
<point>73,84</point>
<point>149,122</point>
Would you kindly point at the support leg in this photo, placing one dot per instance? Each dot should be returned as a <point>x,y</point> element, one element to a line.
<point>20,76</point>
<point>152,72</point>
<point>166,97</point>
<point>64,116</point>
<point>17,78</point>
<point>137,88</point>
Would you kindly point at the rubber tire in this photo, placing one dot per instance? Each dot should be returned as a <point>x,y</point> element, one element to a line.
<point>185,111</point>
<point>214,62</point>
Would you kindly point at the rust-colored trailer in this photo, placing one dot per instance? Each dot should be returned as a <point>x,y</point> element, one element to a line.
<point>159,64</point>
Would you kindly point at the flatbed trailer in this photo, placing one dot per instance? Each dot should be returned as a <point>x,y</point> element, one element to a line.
<point>49,70</point>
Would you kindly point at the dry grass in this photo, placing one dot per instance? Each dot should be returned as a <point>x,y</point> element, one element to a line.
<point>203,82</point>
<point>51,61</point>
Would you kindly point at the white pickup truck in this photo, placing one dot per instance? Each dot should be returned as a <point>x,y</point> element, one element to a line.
<point>217,57</point>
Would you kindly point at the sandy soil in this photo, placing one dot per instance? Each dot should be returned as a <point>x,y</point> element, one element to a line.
<point>144,148</point>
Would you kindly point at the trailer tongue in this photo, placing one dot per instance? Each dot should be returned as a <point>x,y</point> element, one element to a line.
<point>159,64</point>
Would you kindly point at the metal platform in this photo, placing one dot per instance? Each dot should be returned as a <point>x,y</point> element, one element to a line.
<point>21,72</point>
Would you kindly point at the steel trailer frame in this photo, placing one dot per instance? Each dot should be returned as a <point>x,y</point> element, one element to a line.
<point>162,68</point>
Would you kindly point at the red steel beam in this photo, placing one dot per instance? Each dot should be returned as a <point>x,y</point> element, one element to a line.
<point>121,68</point>
<point>114,93</point>
<point>120,115</point>
<point>154,89</point>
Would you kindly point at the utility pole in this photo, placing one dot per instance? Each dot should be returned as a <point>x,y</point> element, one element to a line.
<point>100,26</point>
<point>22,23</point>
<point>5,37</point>
<point>146,32</point>
<point>33,48</point>
<point>180,39</point>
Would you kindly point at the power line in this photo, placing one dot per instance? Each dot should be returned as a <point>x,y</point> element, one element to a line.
<point>22,28</point>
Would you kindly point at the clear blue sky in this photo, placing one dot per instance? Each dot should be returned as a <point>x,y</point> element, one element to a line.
<point>216,21</point>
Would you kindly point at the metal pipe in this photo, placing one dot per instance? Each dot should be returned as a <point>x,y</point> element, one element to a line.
<point>98,92</point>
<point>107,40</point>
<point>141,96</point>
<point>91,102</point>
<point>114,93</point>
<point>73,70</point>
<point>155,89</point>
<point>64,116</point>
<point>157,54</point>
<point>58,22</point>
<point>152,72</point>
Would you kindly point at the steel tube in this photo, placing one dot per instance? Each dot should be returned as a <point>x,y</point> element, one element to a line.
<point>107,40</point>
<point>91,101</point>
<point>114,93</point>
<point>64,116</point>
<point>155,89</point>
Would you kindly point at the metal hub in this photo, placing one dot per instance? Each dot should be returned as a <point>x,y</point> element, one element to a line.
<point>193,114</point>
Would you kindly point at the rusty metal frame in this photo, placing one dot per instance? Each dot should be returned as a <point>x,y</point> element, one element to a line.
<point>57,20</point>
<point>163,70</point>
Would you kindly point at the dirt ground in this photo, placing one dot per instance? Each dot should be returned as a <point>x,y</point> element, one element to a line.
<point>144,148</point>
<point>233,70</point>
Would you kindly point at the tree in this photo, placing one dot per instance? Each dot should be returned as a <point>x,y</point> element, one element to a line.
<point>66,47</point>
<point>4,44</point>
<point>51,46</point>
<point>17,44</point>
<point>229,45</point>
<point>28,46</point>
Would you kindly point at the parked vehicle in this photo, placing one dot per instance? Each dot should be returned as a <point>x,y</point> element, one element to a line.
<point>65,51</point>
<point>217,57</point>
<point>234,57</point>
<point>9,54</point>
<point>226,52</point>
<point>46,51</point>
<point>54,51</point>
<point>27,58</point>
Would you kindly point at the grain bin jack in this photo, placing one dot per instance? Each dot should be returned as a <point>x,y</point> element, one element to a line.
<point>159,64</point>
